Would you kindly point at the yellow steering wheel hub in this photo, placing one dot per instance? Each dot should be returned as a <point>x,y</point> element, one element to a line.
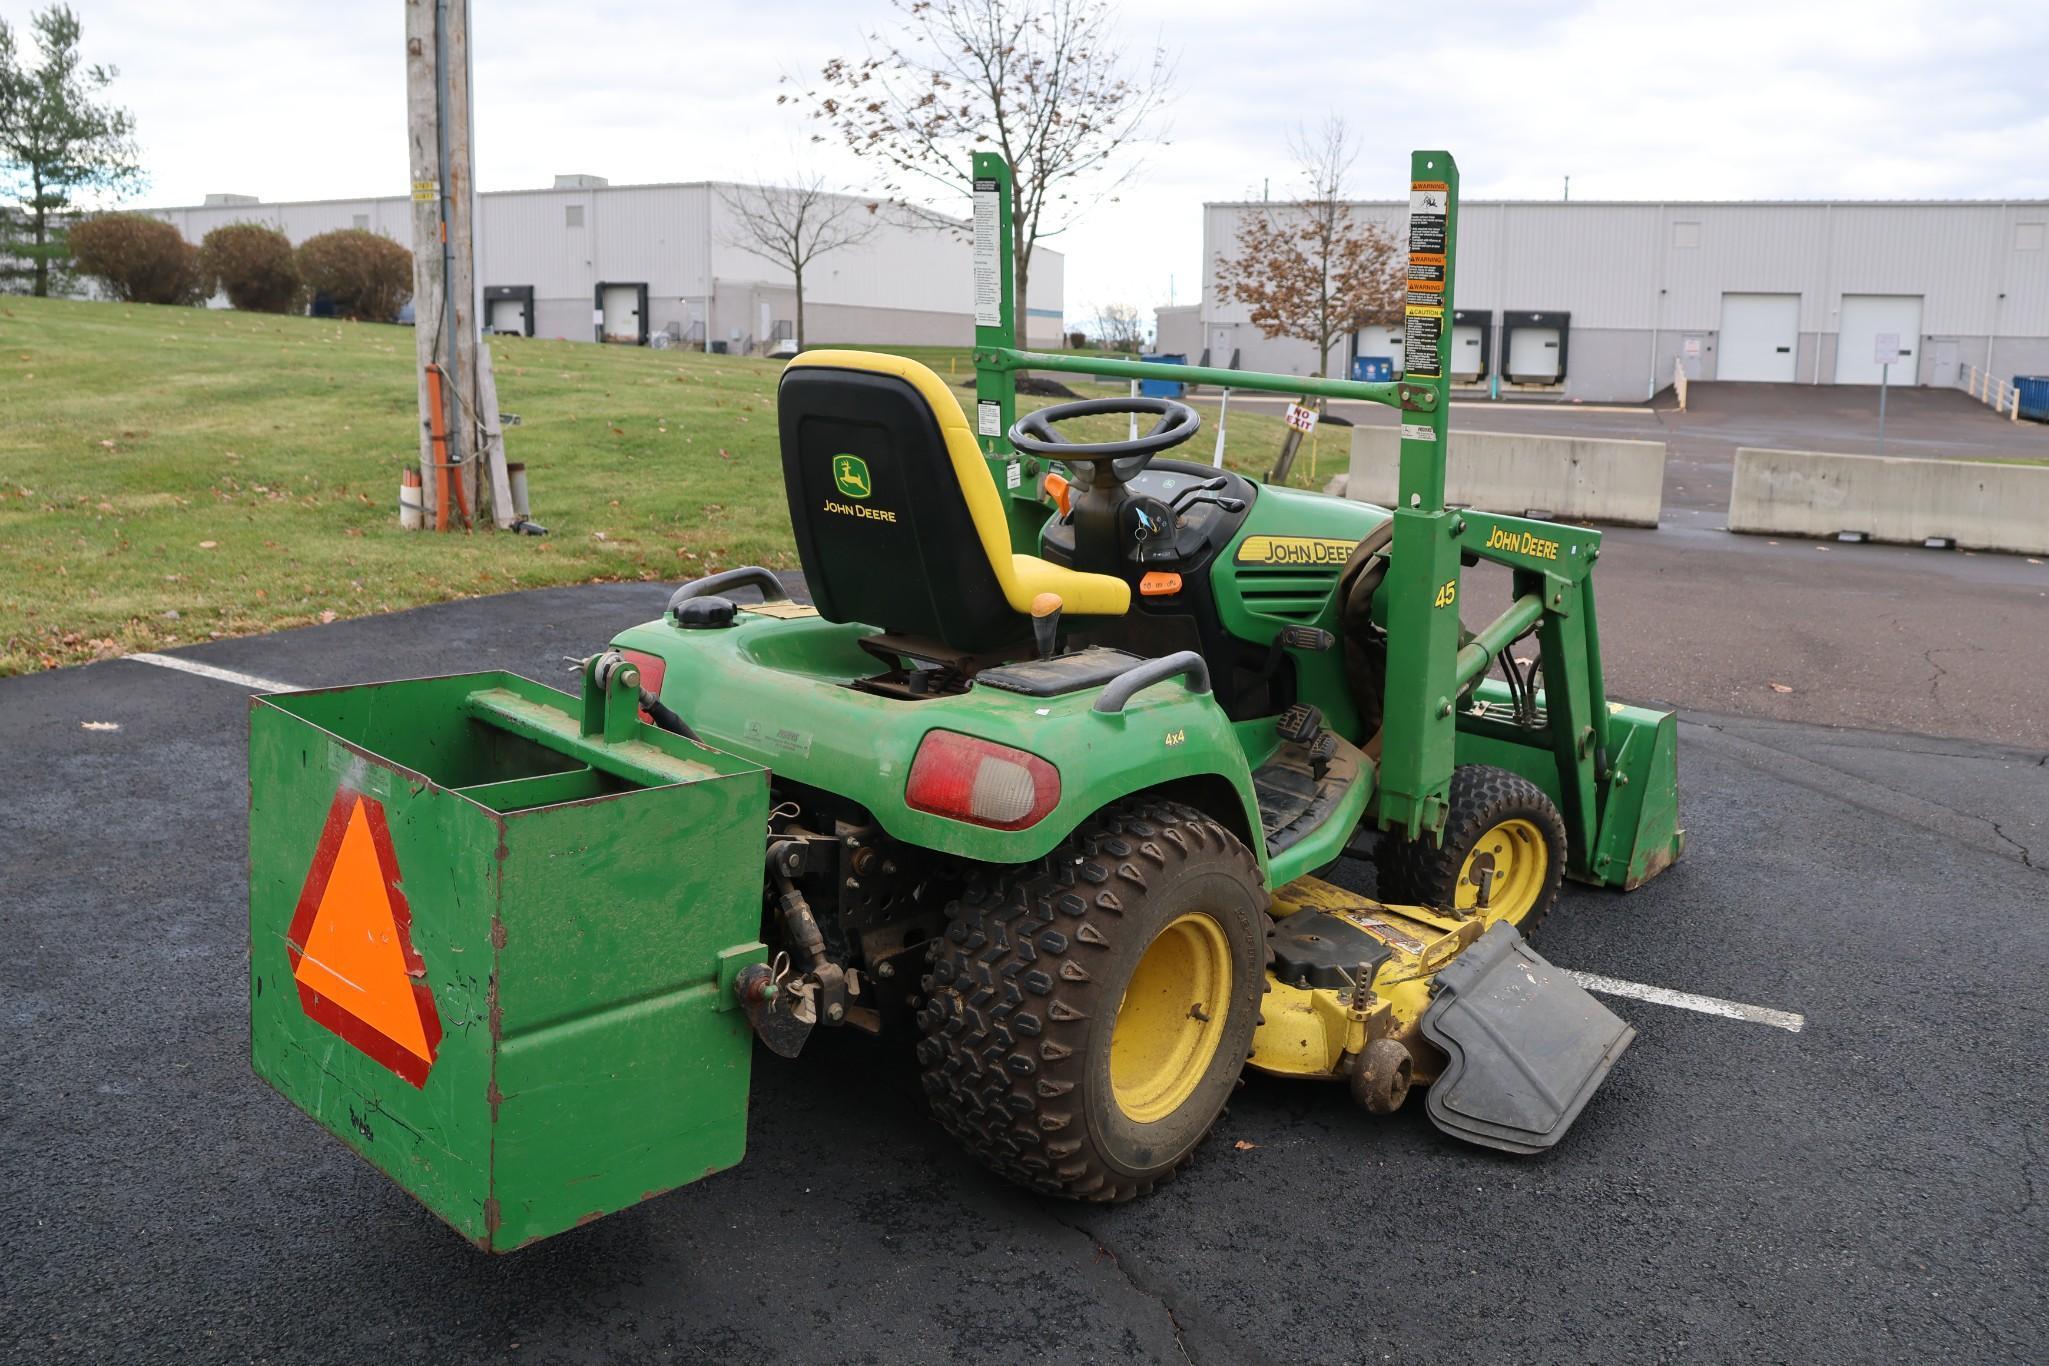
<point>1171,1019</point>
<point>1511,863</point>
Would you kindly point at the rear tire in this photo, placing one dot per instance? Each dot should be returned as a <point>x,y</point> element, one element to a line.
<point>1499,822</point>
<point>1088,1014</point>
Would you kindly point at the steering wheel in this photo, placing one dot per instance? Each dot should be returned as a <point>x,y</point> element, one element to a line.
<point>1038,434</point>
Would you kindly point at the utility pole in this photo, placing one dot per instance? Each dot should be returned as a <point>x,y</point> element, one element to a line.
<point>445,333</point>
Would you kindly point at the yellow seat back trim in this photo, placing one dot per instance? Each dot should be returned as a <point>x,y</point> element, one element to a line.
<point>1021,577</point>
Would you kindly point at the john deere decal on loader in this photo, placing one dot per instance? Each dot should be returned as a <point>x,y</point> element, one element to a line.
<point>1039,783</point>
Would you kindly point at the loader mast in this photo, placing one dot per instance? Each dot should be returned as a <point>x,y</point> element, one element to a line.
<point>1423,572</point>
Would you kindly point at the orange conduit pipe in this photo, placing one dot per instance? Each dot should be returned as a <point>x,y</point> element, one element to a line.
<point>445,475</point>
<point>439,430</point>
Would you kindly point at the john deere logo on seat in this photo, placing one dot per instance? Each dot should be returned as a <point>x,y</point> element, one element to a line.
<point>850,475</point>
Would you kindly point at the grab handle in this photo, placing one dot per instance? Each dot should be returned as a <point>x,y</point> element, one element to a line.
<point>1183,663</point>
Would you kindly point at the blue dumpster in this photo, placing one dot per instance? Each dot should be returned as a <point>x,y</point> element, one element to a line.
<point>2034,396</point>
<point>1163,388</point>
<point>1373,367</point>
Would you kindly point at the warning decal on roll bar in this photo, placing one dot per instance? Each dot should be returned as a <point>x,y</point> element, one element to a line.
<point>1427,199</point>
<point>1423,306</point>
<point>987,272</point>
<point>1423,341</point>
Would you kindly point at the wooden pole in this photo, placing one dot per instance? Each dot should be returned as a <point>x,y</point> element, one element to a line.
<point>445,332</point>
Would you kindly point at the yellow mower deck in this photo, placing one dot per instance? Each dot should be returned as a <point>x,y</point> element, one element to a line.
<point>1385,997</point>
<point>1313,1031</point>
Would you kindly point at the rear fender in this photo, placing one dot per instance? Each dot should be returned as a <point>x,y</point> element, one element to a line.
<point>775,691</point>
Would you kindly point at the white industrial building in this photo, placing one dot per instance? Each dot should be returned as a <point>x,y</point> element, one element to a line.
<point>1601,300</point>
<point>587,260</point>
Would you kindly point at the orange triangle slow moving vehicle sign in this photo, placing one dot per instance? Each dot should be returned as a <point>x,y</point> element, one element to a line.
<point>351,945</point>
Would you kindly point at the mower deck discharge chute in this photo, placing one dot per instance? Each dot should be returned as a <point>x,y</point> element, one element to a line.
<point>1042,778</point>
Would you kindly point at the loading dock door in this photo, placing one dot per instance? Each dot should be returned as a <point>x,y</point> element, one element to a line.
<point>1468,353</point>
<point>1864,316</point>
<point>508,317</point>
<point>620,317</point>
<point>1223,347</point>
<point>1380,339</point>
<point>1533,355</point>
<point>1760,338</point>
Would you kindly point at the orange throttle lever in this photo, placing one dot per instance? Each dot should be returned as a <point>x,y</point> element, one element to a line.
<point>1060,491</point>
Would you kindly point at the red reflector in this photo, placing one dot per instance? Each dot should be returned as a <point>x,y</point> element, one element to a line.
<point>651,667</point>
<point>982,782</point>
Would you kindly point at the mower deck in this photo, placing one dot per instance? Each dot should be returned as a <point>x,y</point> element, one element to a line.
<point>1515,1046</point>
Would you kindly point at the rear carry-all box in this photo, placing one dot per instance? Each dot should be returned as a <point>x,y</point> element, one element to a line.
<point>491,935</point>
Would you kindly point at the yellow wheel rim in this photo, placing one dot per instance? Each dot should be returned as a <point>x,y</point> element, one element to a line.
<point>1518,860</point>
<point>1171,1019</point>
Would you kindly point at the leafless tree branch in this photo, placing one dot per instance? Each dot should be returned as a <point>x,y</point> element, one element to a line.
<point>1043,82</point>
<point>793,225</point>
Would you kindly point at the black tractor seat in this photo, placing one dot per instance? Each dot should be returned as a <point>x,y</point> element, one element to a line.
<point>898,522</point>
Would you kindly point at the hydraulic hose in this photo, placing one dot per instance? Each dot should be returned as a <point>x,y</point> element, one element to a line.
<point>664,716</point>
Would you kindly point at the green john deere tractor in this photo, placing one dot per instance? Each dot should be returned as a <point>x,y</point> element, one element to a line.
<point>1041,779</point>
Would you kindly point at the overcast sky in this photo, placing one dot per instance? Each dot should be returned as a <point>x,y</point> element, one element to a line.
<point>291,99</point>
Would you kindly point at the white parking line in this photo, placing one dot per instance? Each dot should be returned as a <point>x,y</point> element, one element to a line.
<point>193,666</point>
<point>1787,1020</point>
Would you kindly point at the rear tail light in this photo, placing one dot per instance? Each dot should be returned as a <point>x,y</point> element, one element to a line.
<point>967,779</point>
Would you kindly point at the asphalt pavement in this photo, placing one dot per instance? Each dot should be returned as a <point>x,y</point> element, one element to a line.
<point>1866,1188</point>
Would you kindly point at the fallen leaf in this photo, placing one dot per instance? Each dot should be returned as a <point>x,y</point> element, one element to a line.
<point>1244,1146</point>
<point>326,616</point>
<point>209,545</point>
<point>1780,687</point>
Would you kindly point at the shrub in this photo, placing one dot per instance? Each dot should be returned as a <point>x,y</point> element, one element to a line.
<point>1077,340</point>
<point>362,274</point>
<point>140,260</point>
<point>253,264</point>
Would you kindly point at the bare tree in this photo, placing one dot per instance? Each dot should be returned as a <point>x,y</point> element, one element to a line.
<point>1041,81</point>
<point>794,225</point>
<point>1313,269</point>
<point>1119,327</point>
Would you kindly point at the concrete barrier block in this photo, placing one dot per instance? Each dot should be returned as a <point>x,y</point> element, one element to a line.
<point>1571,478</point>
<point>1981,506</point>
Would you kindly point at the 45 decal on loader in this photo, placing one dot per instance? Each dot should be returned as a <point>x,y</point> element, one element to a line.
<point>1040,782</point>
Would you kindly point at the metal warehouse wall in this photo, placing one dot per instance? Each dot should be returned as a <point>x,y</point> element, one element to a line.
<point>1639,279</point>
<point>909,283</point>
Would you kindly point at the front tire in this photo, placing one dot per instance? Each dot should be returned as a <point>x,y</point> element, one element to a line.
<point>1088,1014</point>
<point>1502,855</point>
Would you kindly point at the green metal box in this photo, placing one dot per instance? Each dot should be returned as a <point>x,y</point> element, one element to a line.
<point>491,950</point>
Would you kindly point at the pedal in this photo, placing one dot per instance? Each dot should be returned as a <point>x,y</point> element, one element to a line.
<point>1322,750</point>
<point>1312,638</point>
<point>1299,723</point>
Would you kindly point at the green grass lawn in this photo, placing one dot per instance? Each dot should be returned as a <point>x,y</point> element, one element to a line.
<point>170,475</point>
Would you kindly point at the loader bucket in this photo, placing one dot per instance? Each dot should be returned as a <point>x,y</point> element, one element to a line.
<point>490,943</point>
